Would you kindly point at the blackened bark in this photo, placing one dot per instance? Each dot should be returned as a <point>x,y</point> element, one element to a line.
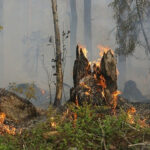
<point>109,71</point>
<point>81,66</point>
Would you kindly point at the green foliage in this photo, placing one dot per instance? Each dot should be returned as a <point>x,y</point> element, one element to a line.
<point>89,130</point>
<point>130,16</point>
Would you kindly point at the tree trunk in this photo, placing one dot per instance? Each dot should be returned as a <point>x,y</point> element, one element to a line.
<point>122,71</point>
<point>73,25</point>
<point>59,75</point>
<point>87,26</point>
<point>1,43</point>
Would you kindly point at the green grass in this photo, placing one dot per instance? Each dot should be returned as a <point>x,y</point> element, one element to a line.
<point>90,130</point>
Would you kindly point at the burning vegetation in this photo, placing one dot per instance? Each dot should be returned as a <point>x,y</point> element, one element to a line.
<point>96,82</point>
<point>6,128</point>
<point>96,118</point>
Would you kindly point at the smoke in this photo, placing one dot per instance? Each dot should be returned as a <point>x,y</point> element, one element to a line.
<point>28,24</point>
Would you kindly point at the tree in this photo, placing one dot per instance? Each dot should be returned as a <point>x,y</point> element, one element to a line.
<point>33,43</point>
<point>141,6</point>
<point>129,16</point>
<point>59,75</point>
<point>87,25</point>
<point>73,25</point>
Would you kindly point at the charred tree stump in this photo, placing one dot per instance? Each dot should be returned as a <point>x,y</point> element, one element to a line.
<point>94,83</point>
<point>109,71</point>
<point>81,66</point>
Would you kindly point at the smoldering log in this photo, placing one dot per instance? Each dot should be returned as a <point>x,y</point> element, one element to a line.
<point>94,85</point>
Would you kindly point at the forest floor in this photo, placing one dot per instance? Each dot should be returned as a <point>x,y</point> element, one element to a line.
<point>84,127</point>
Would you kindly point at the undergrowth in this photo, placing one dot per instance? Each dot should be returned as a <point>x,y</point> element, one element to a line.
<point>82,128</point>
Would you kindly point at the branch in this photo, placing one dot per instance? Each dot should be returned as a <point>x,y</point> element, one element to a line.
<point>139,144</point>
<point>142,26</point>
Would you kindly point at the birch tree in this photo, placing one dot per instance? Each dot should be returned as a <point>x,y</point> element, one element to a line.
<point>59,75</point>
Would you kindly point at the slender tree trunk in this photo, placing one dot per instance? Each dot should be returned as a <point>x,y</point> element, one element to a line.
<point>122,71</point>
<point>88,26</point>
<point>122,39</point>
<point>59,75</point>
<point>1,43</point>
<point>73,26</point>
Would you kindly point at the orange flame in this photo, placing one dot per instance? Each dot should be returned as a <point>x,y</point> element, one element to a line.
<point>104,49</point>
<point>85,86</point>
<point>2,118</point>
<point>76,101</point>
<point>74,119</point>
<point>130,112</point>
<point>84,50</point>
<point>87,93</point>
<point>43,92</point>
<point>53,124</point>
<point>142,123</point>
<point>114,100</point>
<point>5,128</point>
<point>102,82</point>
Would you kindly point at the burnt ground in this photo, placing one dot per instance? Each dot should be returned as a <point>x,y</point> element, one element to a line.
<point>28,124</point>
<point>142,109</point>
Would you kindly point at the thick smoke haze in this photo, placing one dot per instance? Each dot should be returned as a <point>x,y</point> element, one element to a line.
<point>28,24</point>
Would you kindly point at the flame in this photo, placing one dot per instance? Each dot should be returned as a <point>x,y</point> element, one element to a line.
<point>142,123</point>
<point>84,50</point>
<point>2,118</point>
<point>53,125</point>
<point>52,122</point>
<point>103,93</point>
<point>43,92</point>
<point>85,86</point>
<point>97,63</point>
<point>87,93</point>
<point>76,101</point>
<point>74,119</point>
<point>114,100</point>
<point>104,49</point>
<point>6,128</point>
<point>102,82</point>
<point>130,113</point>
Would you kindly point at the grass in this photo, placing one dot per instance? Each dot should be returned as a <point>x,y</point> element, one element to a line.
<point>83,128</point>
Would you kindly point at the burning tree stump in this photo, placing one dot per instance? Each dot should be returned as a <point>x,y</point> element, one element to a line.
<point>81,66</point>
<point>94,83</point>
